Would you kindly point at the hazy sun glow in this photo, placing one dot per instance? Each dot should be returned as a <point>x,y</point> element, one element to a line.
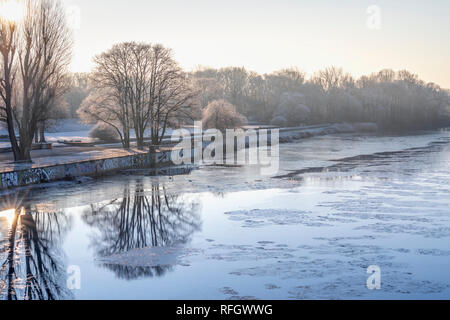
<point>11,10</point>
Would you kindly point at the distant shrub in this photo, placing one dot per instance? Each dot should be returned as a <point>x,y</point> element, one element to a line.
<point>279,121</point>
<point>104,132</point>
<point>220,114</point>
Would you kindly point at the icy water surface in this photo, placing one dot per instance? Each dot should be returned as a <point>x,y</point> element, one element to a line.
<point>339,205</point>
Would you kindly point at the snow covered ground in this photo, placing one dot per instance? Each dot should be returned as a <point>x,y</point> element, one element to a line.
<point>72,129</point>
<point>340,204</point>
<point>68,129</point>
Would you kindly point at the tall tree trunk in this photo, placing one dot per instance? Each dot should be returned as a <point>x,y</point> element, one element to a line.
<point>8,106</point>
<point>26,141</point>
<point>140,139</point>
<point>12,135</point>
<point>126,140</point>
<point>25,154</point>
<point>42,132</point>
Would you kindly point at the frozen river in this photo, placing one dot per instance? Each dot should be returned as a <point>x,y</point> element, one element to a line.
<point>338,205</point>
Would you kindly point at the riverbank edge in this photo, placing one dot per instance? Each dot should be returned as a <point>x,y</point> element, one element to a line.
<point>159,159</point>
<point>70,171</point>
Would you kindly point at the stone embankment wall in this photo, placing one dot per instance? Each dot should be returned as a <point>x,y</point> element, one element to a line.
<point>22,175</point>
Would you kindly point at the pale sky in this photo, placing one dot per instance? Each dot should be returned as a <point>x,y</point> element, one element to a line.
<point>267,35</point>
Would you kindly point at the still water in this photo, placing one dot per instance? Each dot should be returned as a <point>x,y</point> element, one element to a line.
<point>339,205</point>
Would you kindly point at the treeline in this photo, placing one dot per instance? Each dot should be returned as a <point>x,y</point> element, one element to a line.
<point>394,100</point>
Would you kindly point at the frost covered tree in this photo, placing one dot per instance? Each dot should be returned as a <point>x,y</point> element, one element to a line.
<point>35,54</point>
<point>333,78</point>
<point>78,89</point>
<point>292,110</point>
<point>401,101</point>
<point>222,115</point>
<point>209,89</point>
<point>255,96</point>
<point>393,100</point>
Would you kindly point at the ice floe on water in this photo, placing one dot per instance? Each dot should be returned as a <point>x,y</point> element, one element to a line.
<point>264,217</point>
<point>150,257</point>
<point>334,269</point>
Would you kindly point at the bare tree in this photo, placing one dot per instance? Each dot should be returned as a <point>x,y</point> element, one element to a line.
<point>103,105</point>
<point>142,88</point>
<point>172,97</point>
<point>8,50</point>
<point>123,72</point>
<point>43,52</point>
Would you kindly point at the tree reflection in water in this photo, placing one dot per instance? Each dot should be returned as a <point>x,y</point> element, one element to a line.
<point>31,259</point>
<point>142,218</point>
